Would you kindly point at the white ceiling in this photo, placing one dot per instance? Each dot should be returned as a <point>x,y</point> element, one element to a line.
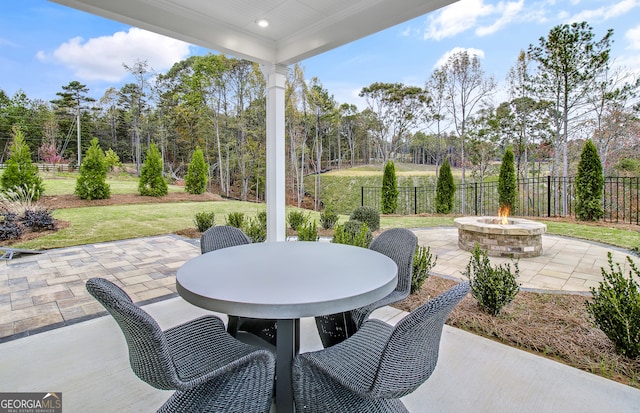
<point>298,29</point>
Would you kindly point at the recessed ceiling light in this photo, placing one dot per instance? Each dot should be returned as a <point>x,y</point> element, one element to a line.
<point>263,22</point>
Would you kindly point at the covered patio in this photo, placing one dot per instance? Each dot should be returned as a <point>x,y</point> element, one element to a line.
<point>88,363</point>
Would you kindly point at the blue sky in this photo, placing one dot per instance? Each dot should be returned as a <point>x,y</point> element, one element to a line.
<point>44,46</point>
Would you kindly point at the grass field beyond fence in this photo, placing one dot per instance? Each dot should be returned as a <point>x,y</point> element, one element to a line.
<point>107,223</point>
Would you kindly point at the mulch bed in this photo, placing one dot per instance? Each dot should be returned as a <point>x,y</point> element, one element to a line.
<point>556,326</point>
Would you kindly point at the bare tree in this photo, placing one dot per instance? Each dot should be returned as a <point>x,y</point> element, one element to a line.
<point>467,88</point>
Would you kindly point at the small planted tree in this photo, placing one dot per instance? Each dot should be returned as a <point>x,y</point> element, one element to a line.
<point>196,180</point>
<point>389,202</point>
<point>256,227</point>
<point>423,262</point>
<point>352,233</point>
<point>204,220</point>
<point>92,182</point>
<point>152,183</point>
<point>112,158</point>
<point>589,184</point>
<point>328,218</point>
<point>308,231</point>
<point>615,307</point>
<point>236,219</point>
<point>445,189</point>
<point>297,219</point>
<point>20,171</point>
<point>492,287</point>
<point>507,184</point>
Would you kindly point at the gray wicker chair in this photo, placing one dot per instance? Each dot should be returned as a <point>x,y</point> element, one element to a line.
<point>376,366</point>
<point>399,244</point>
<point>218,237</point>
<point>211,371</point>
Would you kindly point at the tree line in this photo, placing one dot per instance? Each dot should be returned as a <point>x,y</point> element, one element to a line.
<point>560,92</point>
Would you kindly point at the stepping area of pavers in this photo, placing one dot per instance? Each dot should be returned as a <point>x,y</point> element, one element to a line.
<point>45,291</point>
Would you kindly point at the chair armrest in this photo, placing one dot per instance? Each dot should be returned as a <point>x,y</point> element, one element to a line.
<point>202,349</point>
<point>354,362</point>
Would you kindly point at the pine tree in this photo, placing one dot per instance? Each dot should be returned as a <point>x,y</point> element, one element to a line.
<point>152,182</point>
<point>445,190</point>
<point>21,172</point>
<point>389,189</point>
<point>92,182</point>
<point>196,180</point>
<point>589,184</point>
<point>507,184</point>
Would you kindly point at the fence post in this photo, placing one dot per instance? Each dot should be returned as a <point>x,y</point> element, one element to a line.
<point>548,196</point>
<point>362,196</point>
<point>415,200</point>
<point>475,196</point>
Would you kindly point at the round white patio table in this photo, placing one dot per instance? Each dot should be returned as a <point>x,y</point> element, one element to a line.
<point>286,281</point>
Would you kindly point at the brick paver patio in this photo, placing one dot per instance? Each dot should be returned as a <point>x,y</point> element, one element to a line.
<point>45,291</point>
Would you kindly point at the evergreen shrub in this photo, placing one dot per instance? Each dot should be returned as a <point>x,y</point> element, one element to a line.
<point>308,231</point>
<point>328,218</point>
<point>492,287</point>
<point>589,184</point>
<point>297,219</point>
<point>196,179</point>
<point>445,189</point>
<point>235,219</point>
<point>507,183</point>
<point>256,227</point>
<point>423,262</point>
<point>204,220</point>
<point>615,307</point>
<point>352,233</point>
<point>368,215</point>
<point>389,201</point>
<point>92,182</point>
<point>20,171</point>
<point>152,183</point>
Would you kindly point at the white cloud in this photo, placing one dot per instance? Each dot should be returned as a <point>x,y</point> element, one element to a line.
<point>509,12</point>
<point>468,14</point>
<point>101,58</point>
<point>7,42</point>
<point>445,57</point>
<point>633,37</point>
<point>630,61</point>
<point>605,12</point>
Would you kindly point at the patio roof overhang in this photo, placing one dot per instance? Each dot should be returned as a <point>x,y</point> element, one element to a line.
<point>297,30</point>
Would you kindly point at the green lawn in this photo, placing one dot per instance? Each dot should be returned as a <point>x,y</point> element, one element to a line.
<point>99,224</point>
<point>120,185</point>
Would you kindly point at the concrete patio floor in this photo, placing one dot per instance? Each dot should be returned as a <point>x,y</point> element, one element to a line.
<point>52,341</point>
<point>88,363</point>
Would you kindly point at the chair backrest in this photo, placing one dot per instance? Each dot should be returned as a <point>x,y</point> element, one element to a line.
<point>218,237</point>
<point>148,351</point>
<point>399,244</point>
<point>411,353</point>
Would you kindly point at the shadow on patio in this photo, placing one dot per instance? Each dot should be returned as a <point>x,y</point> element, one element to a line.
<point>88,363</point>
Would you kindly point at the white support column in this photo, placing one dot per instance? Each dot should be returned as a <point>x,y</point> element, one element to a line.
<point>276,181</point>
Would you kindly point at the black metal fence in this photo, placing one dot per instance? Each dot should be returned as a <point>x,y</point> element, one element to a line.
<point>537,197</point>
<point>46,167</point>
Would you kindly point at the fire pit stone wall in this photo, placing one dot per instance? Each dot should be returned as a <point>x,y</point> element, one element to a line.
<point>519,238</point>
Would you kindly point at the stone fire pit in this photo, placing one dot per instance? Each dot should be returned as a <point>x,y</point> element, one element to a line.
<point>519,238</point>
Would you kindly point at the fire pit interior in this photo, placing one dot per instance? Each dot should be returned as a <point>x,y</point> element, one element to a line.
<point>501,236</point>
